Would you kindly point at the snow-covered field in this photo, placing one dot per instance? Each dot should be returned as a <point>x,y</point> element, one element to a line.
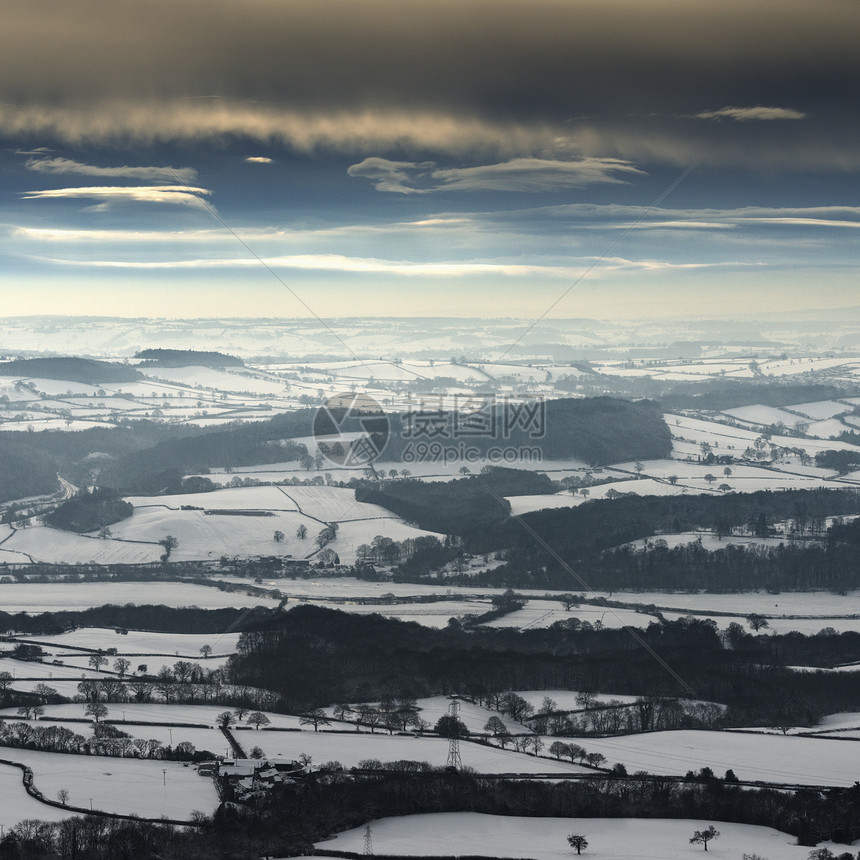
<point>770,758</point>
<point>542,613</point>
<point>352,747</point>
<point>156,712</point>
<point>53,546</point>
<point>124,785</point>
<point>566,699</point>
<point>138,642</point>
<point>42,671</point>
<point>472,833</point>
<point>203,739</point>
<point>67,597</point>
<point>212,530</point>
<point>17,804</point>
<point>817,603</point>
<point>435,614</point>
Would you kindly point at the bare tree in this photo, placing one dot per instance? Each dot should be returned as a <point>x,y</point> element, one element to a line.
<point>578,842</point>
<point>257,719</point>
<point>703,837</point>
<point>97,661</point>
<point>96,710</point>
<point>495,726</point>
<point>316,718</point>
<point>756,621</point>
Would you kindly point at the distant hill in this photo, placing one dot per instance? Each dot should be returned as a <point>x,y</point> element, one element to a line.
<point>71,369</point>
<point>186,358</point>
<point>155,468</point>
<point>597,430</point>
<point>25,471</point>
<point>719,396</point>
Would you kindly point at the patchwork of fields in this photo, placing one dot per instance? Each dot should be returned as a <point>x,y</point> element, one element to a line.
<point>771,449</point>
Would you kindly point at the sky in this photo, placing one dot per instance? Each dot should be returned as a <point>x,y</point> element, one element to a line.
<point>490,158</point>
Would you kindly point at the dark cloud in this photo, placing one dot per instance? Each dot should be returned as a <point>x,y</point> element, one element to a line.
<point>491,61</point>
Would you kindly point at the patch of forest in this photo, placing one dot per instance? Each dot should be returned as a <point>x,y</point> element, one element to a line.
<point>155,469</point>
<point>794,566</point>
<point>842,461</point>
<point>599,524</point>
<point>80,456</point>
<point>718,396</point>
<point>89,511</point>
<point>313,656</point>
<point>459,507</point>
<point>71,369</point>
<point>152,618</point>
<point>596,430</point>
<point>186,358</point>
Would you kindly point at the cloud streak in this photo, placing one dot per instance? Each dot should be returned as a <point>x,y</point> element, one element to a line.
<point>519,174</point>
<point>375,266</point>
<point>152,174</point>
<point>752,114</point>
<point>182,195</point>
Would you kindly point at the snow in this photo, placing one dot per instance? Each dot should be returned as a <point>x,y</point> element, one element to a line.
<point>821,409</point>
<point>350,747</point>
<point>68,597</point>
<point>566,699</point>
<point>543,613</point>
<point>351,535</point>
<point>477,834</point>
<point>218,380</point>
<point>42,672</point>
<point>827,428</point>
<point>525,504</point>
<point>765,415</point>
<point>709,540</point>
<point>140,642</point>
<point>752,756</point>
<point>17,804</point>
<point>208,739</point>
<point>474,716</point>
<point>235,498</point>
<point>436,614</point>
<point>150,712</point>
<point>817,603</point>
<point>41,543</point>
<point>124,785</point>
